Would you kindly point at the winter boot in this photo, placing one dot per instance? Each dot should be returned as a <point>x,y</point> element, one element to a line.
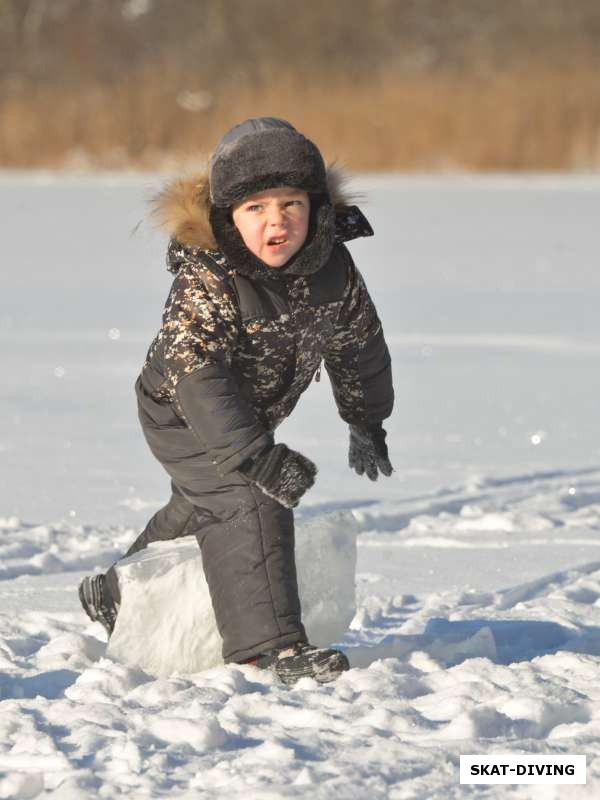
<point>97,601</point>
<point>302,660</point>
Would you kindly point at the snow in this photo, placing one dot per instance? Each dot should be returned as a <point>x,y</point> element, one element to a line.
<point>477,592</point>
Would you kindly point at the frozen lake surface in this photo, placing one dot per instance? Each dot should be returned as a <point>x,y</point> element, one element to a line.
<point>478,581</point>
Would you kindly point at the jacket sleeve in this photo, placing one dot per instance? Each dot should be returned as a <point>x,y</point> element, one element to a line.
<point>199,331</point>
<point>357,358</point>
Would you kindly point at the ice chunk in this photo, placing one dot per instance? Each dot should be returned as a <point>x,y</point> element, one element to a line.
<point>166,622</point>
<point>326,565</point>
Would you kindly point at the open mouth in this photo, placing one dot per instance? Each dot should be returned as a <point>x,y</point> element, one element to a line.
<point>274,241</point>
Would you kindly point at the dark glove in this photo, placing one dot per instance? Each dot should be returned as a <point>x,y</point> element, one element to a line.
<point>281,473</point>
<point>368,451</point>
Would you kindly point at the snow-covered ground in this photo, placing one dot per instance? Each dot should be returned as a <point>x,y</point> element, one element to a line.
<point>478,578</point>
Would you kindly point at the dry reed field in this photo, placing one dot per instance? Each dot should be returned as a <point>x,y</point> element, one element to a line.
<point>402,85</point>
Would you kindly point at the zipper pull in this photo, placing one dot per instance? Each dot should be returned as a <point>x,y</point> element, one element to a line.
<point>318,375</point>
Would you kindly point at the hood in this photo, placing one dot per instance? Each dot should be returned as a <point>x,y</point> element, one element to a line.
<point>183,208</point>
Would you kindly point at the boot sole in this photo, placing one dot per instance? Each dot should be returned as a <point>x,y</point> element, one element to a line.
<point>324,669</point>
<point>91,601</point>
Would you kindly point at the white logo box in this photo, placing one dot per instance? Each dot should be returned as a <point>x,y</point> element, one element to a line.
<point>508,768</point>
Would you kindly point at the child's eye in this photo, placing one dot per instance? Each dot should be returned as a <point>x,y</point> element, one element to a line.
<point>294,203</point>
<point>254,207</point>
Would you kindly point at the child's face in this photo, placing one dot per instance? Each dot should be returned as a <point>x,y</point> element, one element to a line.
<point>273,223</point>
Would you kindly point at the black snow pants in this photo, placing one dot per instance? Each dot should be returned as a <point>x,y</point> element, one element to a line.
<point>246,538</point>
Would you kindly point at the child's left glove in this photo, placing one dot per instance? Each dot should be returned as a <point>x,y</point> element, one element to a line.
<point>368,451</point>
<point>281,473</point>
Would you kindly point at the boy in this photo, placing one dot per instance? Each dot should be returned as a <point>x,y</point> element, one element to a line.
<point>264,290</point>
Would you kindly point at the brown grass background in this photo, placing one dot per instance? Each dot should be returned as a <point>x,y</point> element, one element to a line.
<point>379,84</point>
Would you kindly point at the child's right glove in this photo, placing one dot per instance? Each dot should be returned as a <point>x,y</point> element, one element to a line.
<point>368,451</point>
<point>281,473</point>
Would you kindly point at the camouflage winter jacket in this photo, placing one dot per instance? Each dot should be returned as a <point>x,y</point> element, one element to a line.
<point>234,354</point>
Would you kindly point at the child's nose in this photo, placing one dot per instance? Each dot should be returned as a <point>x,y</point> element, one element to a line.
<point>276,216</point>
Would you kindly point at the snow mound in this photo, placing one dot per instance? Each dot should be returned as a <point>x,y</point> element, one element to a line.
<point>166,622</point>
<point>487,672</point>
<point>513,670</point>
<point>27,549</point>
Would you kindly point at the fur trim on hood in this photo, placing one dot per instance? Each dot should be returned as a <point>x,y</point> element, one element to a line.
<point>182,208</point>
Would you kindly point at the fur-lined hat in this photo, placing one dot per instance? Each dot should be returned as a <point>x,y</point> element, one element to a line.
<point>264,153</point>
<point>267,153</point>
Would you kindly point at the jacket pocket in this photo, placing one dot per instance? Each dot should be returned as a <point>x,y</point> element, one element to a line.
<point>156,414</point>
